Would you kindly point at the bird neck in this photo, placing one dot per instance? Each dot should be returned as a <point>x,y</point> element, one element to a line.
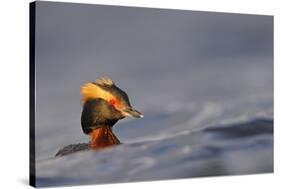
<point>103,137</point>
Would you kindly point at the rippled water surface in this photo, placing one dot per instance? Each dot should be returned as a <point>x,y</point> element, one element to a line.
<point>204,82</point>
<point>238,148</point>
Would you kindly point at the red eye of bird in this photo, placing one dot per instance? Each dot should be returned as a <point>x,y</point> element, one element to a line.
<point>112,102</point>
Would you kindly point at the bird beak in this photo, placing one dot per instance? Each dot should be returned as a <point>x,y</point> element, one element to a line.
<point>129,111</point>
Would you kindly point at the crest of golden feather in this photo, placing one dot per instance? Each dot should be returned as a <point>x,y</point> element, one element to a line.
<point>104,81</point>
<point>93,91</point>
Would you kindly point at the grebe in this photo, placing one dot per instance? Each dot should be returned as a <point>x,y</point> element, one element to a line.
<point>103,105</point>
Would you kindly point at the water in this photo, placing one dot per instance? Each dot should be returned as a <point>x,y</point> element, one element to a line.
<point>244,147</point>
<point>204,82</point>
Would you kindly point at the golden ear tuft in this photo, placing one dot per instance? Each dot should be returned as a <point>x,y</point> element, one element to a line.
<point>104,81</point>
<point>93,91</point>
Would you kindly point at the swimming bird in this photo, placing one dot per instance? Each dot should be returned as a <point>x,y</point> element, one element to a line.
<point>103,105</point>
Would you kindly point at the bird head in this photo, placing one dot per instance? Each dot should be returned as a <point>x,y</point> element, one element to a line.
<point>105,89</point>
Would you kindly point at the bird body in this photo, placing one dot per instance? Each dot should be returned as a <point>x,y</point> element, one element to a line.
<point>103,105</point>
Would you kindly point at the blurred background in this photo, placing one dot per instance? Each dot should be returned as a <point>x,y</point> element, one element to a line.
<point>186,71</point>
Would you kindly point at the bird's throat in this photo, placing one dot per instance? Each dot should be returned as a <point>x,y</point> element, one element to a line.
<point>103,137</point>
